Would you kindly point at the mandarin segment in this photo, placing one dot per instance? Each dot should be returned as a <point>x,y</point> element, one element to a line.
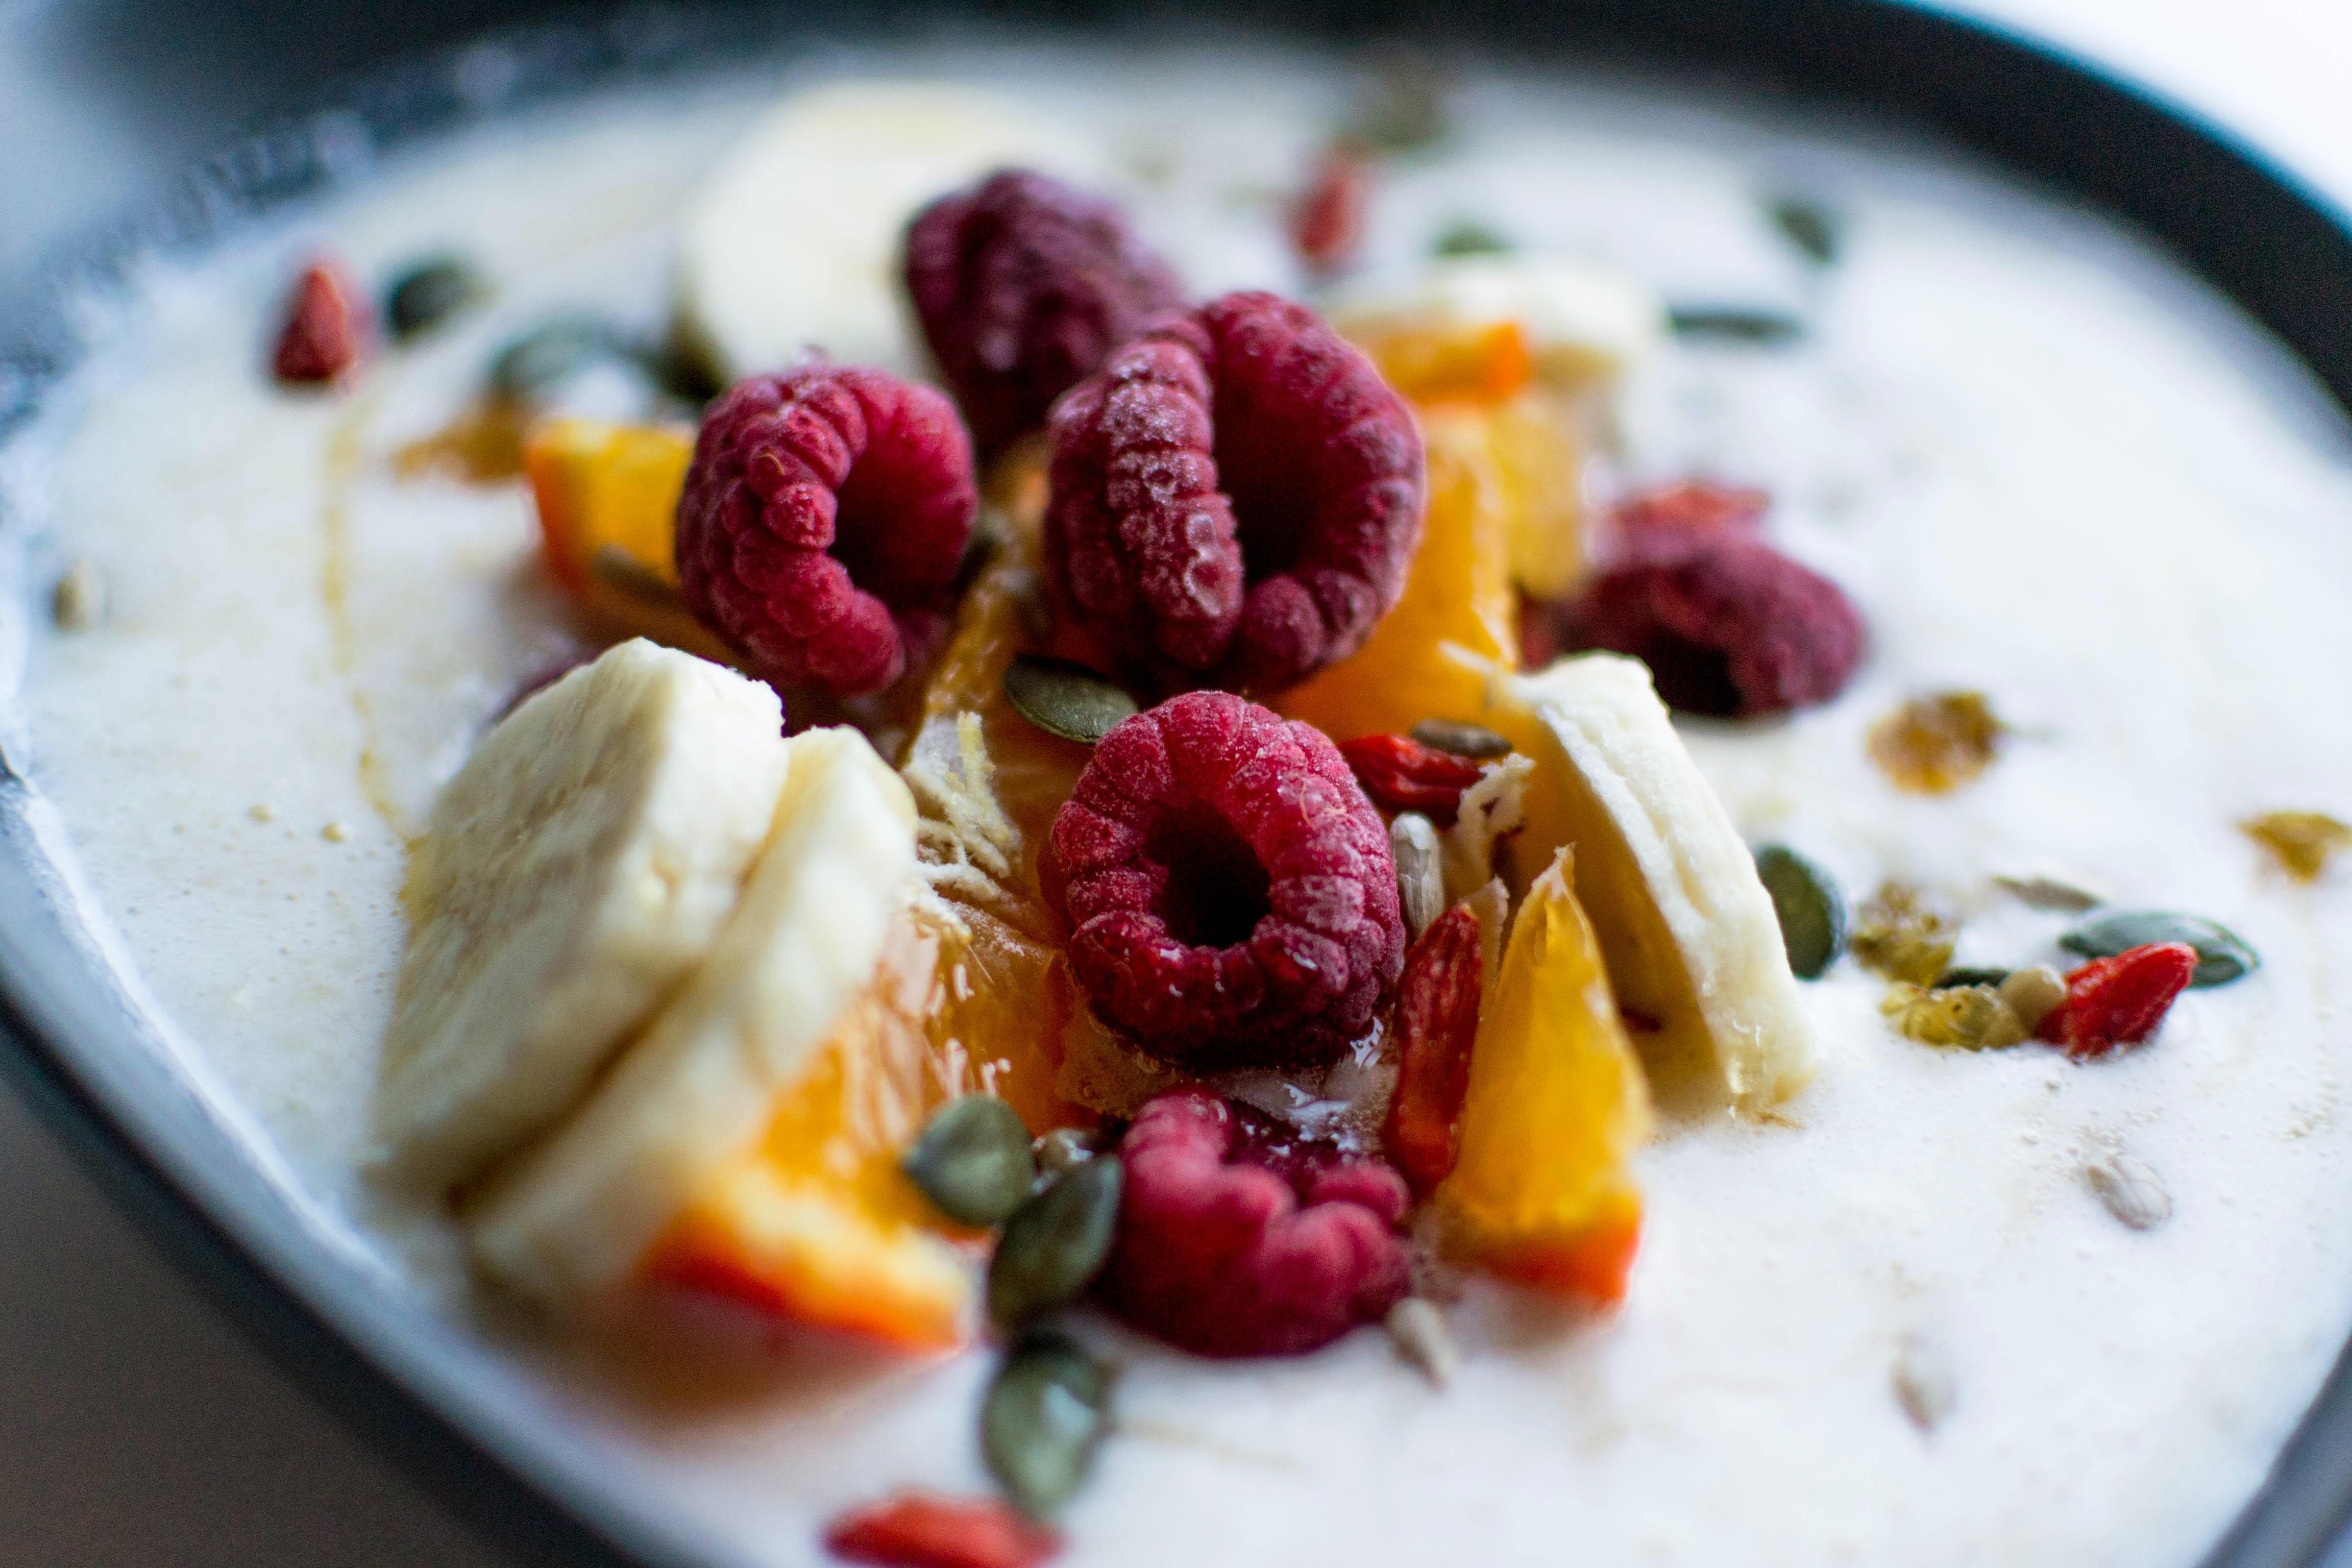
<point>1432,657</point>
<point>607,498</point>
<point>1542,1190</point>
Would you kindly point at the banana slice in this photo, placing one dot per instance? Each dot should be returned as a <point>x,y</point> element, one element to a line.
<point>794,243</point>
<point>1585,324</point>
<point>580,1211</point>
<point>1691,943</point>
<point>579,864</point>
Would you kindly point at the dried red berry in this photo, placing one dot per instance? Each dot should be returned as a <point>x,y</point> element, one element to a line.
<point>1697,504</point>
<point>326,327</point>
<point>1326,226</point>
<point>1230,894</point>
<point>1729,625</point>
<point>1402,774</point>
<point>823,521</point>
<point>1437,1025</point>
<point>1022,284</point>
<point>920,1530</point>
<point>1238,1238</point>
<point>2119,1001</point>
<point>1236,496</point>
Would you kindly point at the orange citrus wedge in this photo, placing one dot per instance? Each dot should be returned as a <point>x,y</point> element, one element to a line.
<point>1543,1191</point>
<point>607,500</point>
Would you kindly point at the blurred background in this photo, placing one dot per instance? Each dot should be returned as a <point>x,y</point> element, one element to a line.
<point>136,1426</point>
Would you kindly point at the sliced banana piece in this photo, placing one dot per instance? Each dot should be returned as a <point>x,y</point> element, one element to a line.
<point>579,864</point>
<point>579,1213</point>
<point>1585,324</point>
<point>793,244</point>
<point>1687,929</point>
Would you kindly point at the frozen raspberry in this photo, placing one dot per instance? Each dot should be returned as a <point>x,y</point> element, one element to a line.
<point>1238,1238</point>
<point>1729,625</point>
<point>326,327</point>
<point>822,521</point>
<point>1236,496</point>
<point>1231,894</point>
<point>1023,284</point>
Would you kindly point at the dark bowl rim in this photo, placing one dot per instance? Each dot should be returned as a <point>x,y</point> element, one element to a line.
<point>2259,234</point>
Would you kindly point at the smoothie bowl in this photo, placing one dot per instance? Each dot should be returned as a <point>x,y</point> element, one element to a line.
<point>1027,801</point>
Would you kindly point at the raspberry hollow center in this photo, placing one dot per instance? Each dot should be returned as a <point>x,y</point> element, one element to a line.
<point>1216,891</point>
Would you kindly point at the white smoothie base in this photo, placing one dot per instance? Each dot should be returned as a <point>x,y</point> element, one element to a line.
<point>2045,465</point>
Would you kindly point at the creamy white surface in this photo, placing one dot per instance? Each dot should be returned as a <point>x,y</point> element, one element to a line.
<point>2044,466</point>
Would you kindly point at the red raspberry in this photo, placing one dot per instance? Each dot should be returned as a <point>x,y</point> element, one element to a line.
<point>1231,894</point>
<point>1023,284</point>
<point>822,521</point>
<point>2119,1001</point>
<point>326,327</point>
<point>917,1529</point>
<point>1729,625</point>
<point>1236,496</point>
<point>1238,1238</point>
<point>1402,774</point>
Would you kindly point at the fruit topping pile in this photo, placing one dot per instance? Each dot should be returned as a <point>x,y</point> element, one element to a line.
<point>1224,909</point>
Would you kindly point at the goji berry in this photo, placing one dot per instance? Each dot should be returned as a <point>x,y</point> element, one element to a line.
<point>325,328</point>
<point>1690,504</point>
<point>2118,1001</point>
<point>1402,774</point>
<point>922,1530</point>
<point>1437,1025</point>
<point>1328,224</point>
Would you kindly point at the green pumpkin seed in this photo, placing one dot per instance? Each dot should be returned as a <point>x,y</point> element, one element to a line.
<point>1055,1244</point>
<point>1462,739</point>
<point>1469,237</point>
<point>1810,227</point>
<point>536,364</point>
<point>1971,975</point>
<point>1045,1416</point>
<point>1064,1147</point>
<point>1066,699</point>
<point>1812,911</point>
<point>1734,324</point>
<point>973,1161</point>
<point>429,294</point>
<point>2222,957</point>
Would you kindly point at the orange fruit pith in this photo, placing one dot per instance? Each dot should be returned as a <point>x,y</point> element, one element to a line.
<point>1543,1189</point>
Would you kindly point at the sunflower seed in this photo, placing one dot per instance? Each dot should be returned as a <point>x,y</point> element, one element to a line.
<point>1421,878</point>
<point>2132,1192</point>
<point>1924,1384</point>
<point>1812,911</point>
<point>2221,957</point>
<point>1055,1244</point>
<point>2048,893</point>
<point>1462,739</point>
<point>77,603</point>
<point>1418,1329</point>
<point>1066,699</point>
<point>1042,1422</point>
<point>972,1160</point>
